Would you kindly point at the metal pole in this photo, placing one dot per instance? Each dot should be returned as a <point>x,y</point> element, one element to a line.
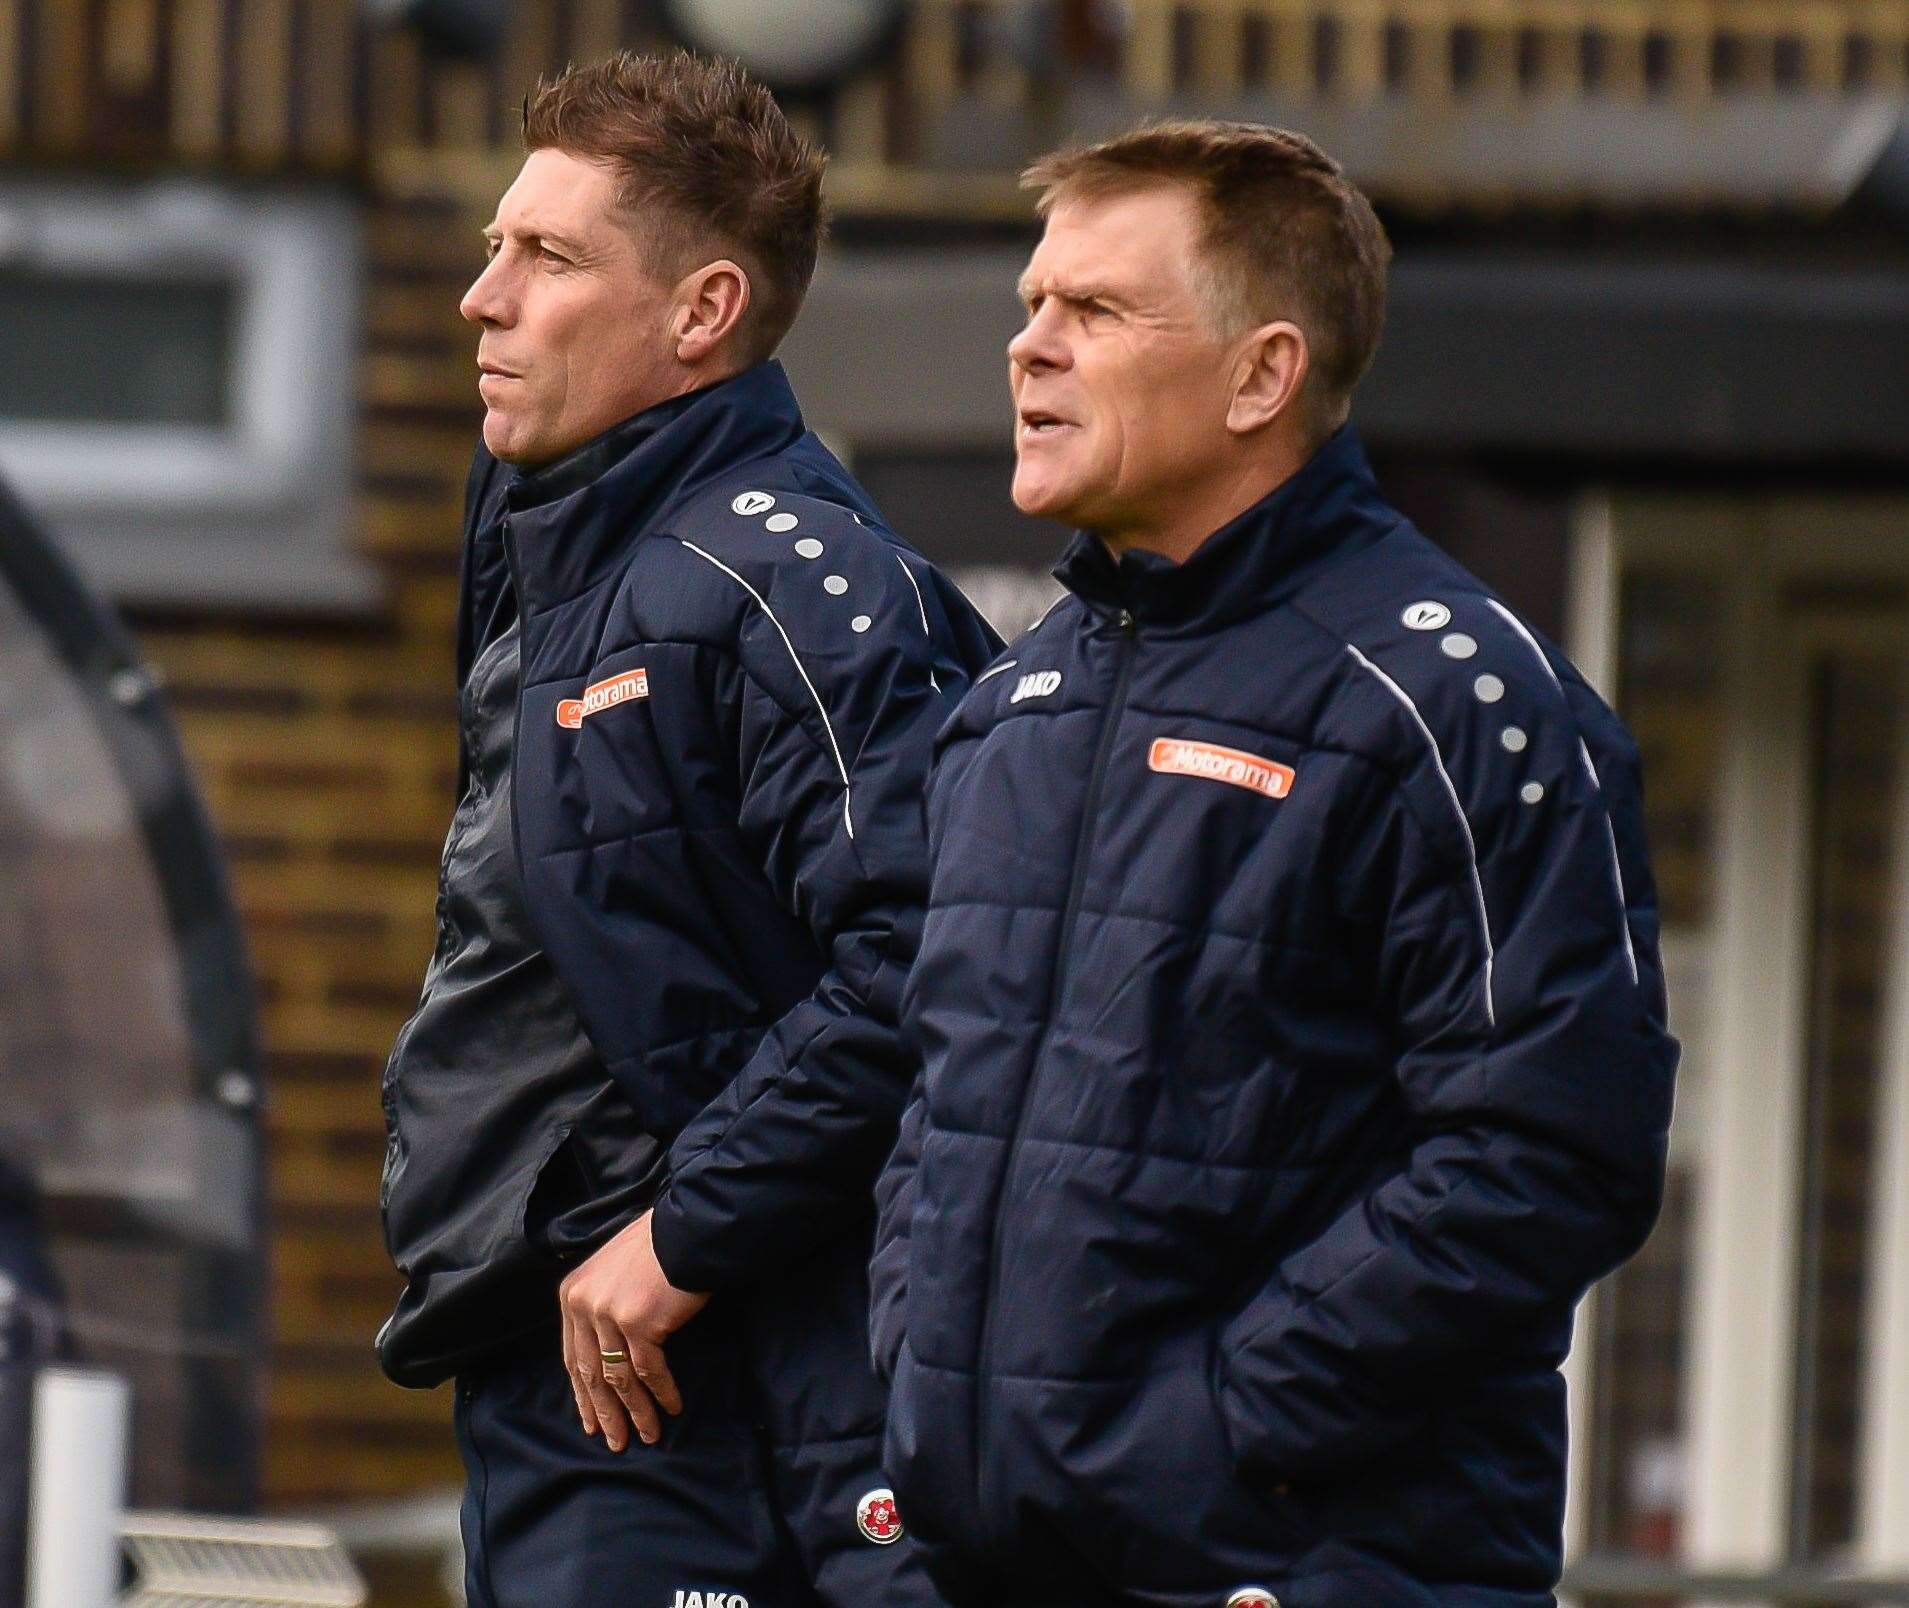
<point>80,1422</point>
<point>16,1428</point>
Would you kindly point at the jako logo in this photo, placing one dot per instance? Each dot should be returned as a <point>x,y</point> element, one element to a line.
<point>708,1599</point>
<point>604,695</point>
<point>1175,756</point>
<point>1037,684</point>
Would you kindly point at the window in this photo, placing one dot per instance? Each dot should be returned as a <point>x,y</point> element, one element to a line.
<point>1748,1390</point>
<point>179,396</point>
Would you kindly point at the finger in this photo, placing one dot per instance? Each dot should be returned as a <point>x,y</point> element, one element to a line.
<point>635,1399</point>
<point>604,1405</point>
<point>587,1372</point>
<point>652,1367</point>
<point>572,1365</point>
<point>630,1394</point>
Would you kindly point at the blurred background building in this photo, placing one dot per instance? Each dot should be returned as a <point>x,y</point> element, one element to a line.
<point>1647,371</point>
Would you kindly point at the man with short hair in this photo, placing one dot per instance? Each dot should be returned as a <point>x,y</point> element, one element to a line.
<point>1308,1061</point>
<point>635,1120</point>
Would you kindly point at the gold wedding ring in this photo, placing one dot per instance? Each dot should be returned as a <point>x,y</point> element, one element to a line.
<point>614,1356</point>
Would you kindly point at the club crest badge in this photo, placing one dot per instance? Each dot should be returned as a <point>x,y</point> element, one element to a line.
<point>876,1518</point>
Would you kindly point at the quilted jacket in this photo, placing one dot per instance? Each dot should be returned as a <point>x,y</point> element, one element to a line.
<point>1294,1057</point>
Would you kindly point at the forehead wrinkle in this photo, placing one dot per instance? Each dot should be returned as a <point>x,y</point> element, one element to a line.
<point>531,232</point>
<point>532,222</point>
<point>1054,284</point>
<point>527,210</point>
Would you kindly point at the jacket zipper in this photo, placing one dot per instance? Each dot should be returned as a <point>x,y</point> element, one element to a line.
<point>1070,914</point>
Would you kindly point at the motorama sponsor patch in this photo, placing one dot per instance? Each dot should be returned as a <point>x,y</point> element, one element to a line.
<point>602,695</point>
<point>1181,756</point>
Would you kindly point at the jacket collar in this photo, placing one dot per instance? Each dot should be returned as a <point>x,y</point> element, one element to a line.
<point>574,522</point>
<point>1331,504</point>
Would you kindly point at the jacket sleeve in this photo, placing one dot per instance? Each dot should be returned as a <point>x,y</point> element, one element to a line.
<point>898,1188</point>
<point>895,1193</point>
<point>841,689</point>
<point>1515,967</point>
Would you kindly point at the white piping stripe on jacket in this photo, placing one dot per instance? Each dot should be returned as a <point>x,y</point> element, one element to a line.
<point>1005,664</point>
<point>1047,611</point>
<point>1458,809</point>
<point>847,819</point>
<point>923,607</point>
<point>1590,768</point>
<point>1530,641</point>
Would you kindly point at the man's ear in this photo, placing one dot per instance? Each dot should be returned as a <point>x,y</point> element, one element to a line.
<point>1271,368</point>
<point>708,305</point>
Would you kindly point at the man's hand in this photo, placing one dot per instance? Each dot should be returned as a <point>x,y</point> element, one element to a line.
<point>619,1303</point>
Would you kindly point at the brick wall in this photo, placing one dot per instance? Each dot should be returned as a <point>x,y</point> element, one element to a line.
<point>325,750</point>
<point>327,753</point>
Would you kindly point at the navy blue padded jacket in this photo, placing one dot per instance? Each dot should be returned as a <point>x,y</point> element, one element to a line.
<point>732,673</point>
<point>1294,1057</point>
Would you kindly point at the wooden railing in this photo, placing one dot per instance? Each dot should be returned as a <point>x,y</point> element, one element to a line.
<point>1429,50</point>
<point>308,85</point>
<point>1439,56</point>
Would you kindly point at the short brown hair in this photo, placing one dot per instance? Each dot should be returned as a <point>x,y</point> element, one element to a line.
<point>703,152</point>
<point>1284,235</point>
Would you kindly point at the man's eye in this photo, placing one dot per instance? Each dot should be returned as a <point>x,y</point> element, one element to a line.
<point>554,258</point>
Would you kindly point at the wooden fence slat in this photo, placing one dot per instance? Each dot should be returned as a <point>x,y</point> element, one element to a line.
<point>1361,75</point>
<point>932,53</point>
<point>1428,50</point>
<point>262,84</point>
<point>529,53</point>
<point>597,30</point>
<point>129,48</point>
<point>1149,63</point>
<point>1498,24</point>
<point>1218,48</point>
<point>1295,48</point>
<point>394,90</point>
<point>1886,23</point>
<point>198,77</point>
<point>1621,30</point>
<point>461,92</point>
<point>323,80</point>
<point>861,121</point>
<point>10,57</point>
<point>61,76</point>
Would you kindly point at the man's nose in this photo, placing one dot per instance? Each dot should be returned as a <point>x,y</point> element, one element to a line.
<point>486,301</point>
<point>1039,345</point>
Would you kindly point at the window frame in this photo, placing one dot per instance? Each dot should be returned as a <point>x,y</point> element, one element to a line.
<point>254,512</point>
<point>1744,1133</point>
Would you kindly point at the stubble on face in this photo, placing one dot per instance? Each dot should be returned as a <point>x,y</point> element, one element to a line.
<point>574,326</point>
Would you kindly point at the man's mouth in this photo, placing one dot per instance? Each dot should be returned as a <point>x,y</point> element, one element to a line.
<point>1037,424</point>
